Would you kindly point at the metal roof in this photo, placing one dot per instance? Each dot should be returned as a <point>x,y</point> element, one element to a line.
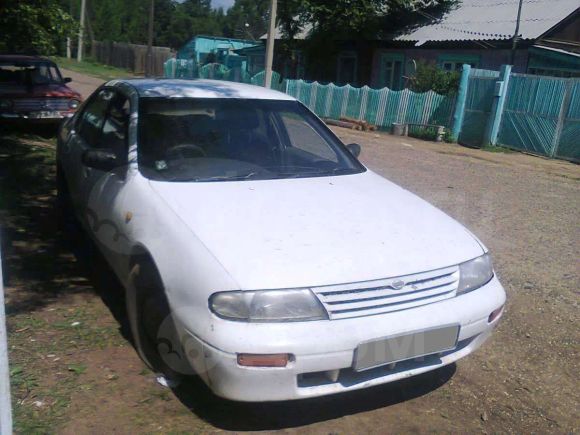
<point>493,19</point>
<point>200,88</point>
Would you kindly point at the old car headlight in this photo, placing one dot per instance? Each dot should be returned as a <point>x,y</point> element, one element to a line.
<point>268,306</point>
<point>73,104</point>
<point>474,273</point>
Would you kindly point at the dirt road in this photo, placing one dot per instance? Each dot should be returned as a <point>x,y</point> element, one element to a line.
<point>74,369</point>
<point>82,83</point>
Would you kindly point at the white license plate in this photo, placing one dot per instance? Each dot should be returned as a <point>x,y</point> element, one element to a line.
<point>44,115</point>
<point>405,346</point>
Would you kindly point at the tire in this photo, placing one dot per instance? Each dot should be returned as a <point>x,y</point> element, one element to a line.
<point>155,334</point>
<point>64,208</point>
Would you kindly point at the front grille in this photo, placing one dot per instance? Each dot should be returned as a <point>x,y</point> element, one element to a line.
<point>36,104</point>
<point>382,296</point>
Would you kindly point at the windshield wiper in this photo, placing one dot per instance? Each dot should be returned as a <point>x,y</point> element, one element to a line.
<point>225,177</point>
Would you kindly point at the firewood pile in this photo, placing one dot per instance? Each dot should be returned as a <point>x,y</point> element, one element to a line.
<point>351,123</point>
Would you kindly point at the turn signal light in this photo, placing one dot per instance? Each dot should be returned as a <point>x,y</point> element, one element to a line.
<point>494,314</point>
<point>258,360</point>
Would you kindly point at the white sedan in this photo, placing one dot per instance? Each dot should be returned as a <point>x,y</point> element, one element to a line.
<point>256,250</point>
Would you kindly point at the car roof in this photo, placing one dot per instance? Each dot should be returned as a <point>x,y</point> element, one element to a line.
<point>200,88</point>
<point>4,58</point>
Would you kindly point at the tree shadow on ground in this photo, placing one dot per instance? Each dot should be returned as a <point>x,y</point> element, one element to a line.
<point>41,262</point>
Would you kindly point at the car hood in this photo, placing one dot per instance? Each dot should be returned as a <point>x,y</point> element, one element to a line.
<point>317,231</point>
<point>52,90</point>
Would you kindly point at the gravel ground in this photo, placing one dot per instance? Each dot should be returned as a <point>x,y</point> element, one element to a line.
<point>74,370</point>
<point>526,210</point>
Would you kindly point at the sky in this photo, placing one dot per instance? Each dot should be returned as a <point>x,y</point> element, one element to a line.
<point>222,3</point>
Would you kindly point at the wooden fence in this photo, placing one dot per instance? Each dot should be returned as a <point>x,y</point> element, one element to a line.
<point>132,57</point>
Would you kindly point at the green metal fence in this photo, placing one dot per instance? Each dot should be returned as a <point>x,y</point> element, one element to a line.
<point>380,107</point>
<point>188,69</point>
<point>542,116</point>
<point>568,146</point>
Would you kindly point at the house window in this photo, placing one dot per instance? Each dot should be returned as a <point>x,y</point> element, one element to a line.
<point>347,68</point>
<point>391,70</point>
<point>454,62</point>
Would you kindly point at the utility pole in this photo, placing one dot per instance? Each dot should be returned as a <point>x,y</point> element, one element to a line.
<point>516,33</point>
<point>5,406</point>
<point>81,30</point>
<point>68,40</point>
<point>270,44</point>
<point>149,66</point>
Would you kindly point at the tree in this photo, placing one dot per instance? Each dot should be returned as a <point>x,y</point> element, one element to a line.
<point>34,26</point>
<point>334,22</point>
<point>429,77</point>
<point>247,19</point>
<point>362,19</point>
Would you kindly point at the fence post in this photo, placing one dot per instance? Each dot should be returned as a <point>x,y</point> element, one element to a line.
<point>460,104</point>
<point>363,103</point>
<point>499,97</point>
<point>562,116</point>
<point>5,405</point>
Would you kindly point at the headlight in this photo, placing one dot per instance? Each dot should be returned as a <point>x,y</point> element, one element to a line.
<point>73,104</point>
<point>5,104</point>
<point>268,306</point>
<point>474,273</point>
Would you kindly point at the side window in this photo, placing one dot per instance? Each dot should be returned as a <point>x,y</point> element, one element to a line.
<point>93,117</point>
<point>116,126</point>
<point>304,138</point>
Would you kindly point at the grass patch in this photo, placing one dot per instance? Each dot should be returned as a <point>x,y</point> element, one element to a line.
<point>43,373</point>
<point>93,68</point>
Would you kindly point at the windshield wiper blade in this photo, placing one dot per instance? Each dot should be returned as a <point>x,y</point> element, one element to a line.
<point>225,177</point>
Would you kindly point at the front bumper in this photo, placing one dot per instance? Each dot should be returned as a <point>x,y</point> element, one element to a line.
<point>325,347</point>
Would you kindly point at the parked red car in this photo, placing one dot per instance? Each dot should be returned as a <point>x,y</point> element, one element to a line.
<point>32,89</point>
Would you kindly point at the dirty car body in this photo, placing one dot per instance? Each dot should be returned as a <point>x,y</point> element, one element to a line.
<point>32,89</point>
<point>290,269</point>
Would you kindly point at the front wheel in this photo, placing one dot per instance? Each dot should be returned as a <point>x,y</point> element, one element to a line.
<point>155,334</point>
<point>64,208</point>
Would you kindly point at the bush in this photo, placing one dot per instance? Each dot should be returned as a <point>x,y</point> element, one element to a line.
<point>430,77</point>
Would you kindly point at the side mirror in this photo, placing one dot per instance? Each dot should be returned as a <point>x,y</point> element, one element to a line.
<point>103,159</point>
<point>354,149</point>
<point>67,80</point>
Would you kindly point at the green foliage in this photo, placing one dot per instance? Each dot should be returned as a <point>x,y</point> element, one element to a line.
<point>247,19</point>
<point>358,19</point>
<point>34,26</point>
<point>175,22</point>
<point>430,77</point>
<point>90,67</point>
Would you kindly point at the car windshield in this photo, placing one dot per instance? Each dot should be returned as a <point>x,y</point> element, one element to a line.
<point>29,74</point>
<point>213,139</point>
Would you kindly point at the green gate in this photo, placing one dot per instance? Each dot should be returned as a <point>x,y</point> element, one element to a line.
<point>568,146</point>
<point>542,116</point>
<point>480,92</point>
